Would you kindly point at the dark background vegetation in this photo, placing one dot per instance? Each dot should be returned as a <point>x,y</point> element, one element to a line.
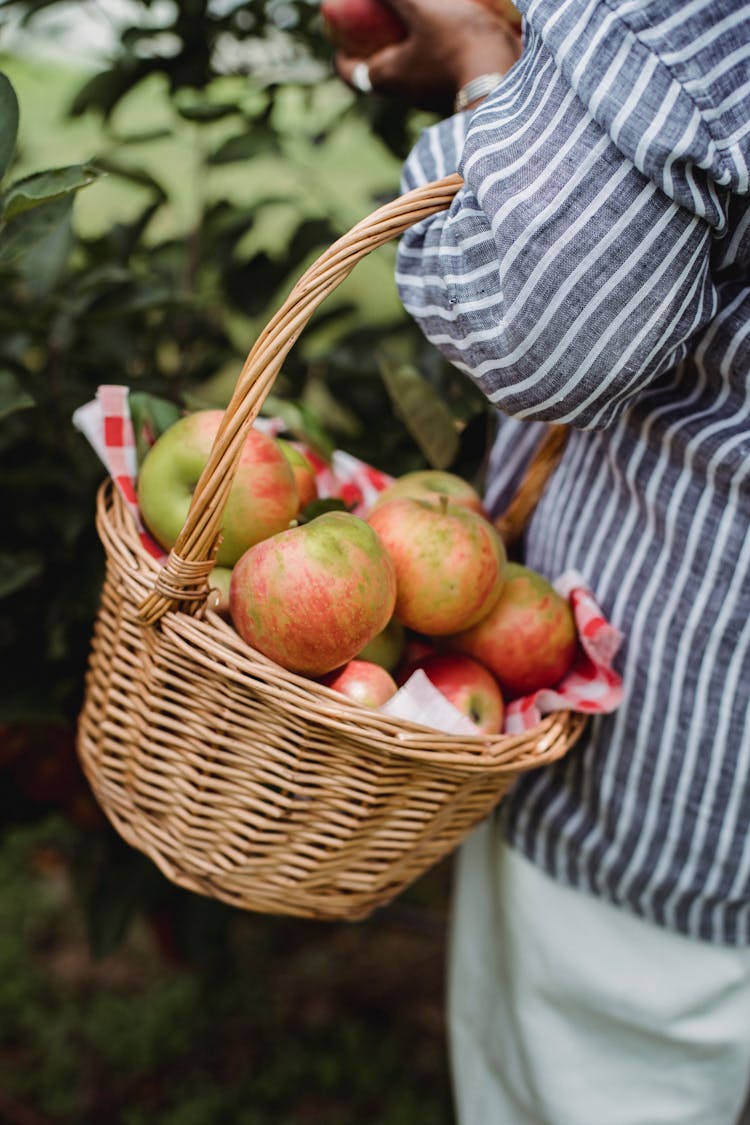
<point>122,998</point>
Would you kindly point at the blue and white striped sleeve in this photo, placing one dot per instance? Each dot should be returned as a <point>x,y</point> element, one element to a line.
<point>566,276</point>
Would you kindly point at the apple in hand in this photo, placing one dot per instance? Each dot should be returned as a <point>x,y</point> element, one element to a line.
<point>469,686</point>
<point>431,484</point>
<point>528,639</point>
<point>304,473</point>
<point>362,681</point>
<point>263,496</point>
<point>387,648</point>
<point>449,563</point>
<point>361,27</point>
<point>311,598</point>
<point>506,9</point>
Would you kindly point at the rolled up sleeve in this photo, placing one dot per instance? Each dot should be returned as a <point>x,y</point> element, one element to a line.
<point>563,280</point>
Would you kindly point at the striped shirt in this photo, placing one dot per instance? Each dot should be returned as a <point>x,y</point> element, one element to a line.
<point>595,270</point>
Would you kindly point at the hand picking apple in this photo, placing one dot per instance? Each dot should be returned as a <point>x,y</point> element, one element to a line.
<point>361,27</point>
<point>528,639</point>
<point>313,596</point>
<point>449,563</point>
<point>263,498</point>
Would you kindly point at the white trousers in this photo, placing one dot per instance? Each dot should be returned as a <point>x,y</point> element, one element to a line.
<point>564,1010</point>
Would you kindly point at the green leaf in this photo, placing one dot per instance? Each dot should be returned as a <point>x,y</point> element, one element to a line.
<point>43,187</point>
<point>44,263</point>
<point>321,402</point>
<point>12,395</point>
<point>300,422</point>
<point>201,112</point>
<point>8,123</point>
<point>422,410</point>
<point>26,230</point>
<point>151,417</point>
<point>245,146</point>
<point>18,571</point>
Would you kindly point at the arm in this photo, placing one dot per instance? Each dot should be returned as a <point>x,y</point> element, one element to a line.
<point>562,280</point>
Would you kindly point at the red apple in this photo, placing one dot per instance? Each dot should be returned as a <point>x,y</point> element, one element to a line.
<point>416,650</point>
<point>528,639</point>
<point>312,597</point>
<point>362,681</point>
<point>361,27</point>
<point>431,484</point>
<point>262,500</point>
<point>449,563</point>
<point>469,686</point>
<point>304,473</point>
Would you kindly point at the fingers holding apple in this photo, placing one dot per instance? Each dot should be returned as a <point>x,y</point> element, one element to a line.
<point>436,50</point>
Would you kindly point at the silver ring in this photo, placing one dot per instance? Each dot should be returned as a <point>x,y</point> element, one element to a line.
<point>360,78</point>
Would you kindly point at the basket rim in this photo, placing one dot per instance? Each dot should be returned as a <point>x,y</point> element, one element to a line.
<point>406,739</point>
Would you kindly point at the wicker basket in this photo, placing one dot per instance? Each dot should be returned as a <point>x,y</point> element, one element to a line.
<point>240,780</point>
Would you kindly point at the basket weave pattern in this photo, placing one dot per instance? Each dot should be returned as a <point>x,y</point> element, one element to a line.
<point>243,781</point>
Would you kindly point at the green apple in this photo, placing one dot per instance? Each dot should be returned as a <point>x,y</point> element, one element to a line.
<point>387,648</point>
<point>219,581</point>
<point>262,500</point>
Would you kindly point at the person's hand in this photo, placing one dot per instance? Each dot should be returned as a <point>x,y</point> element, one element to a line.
<point>447,43</point>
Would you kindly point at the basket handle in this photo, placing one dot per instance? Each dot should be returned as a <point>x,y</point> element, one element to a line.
<point>182,581</point>
<point>512,522</point>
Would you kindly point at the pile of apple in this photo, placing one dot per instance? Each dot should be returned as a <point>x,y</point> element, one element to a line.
<point>359,604</point>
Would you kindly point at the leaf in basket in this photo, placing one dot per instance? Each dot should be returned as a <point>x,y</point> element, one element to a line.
<point>151,417</point>
<point>423,412</point>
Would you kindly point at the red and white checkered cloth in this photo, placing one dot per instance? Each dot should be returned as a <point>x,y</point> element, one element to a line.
<point>592,686</point>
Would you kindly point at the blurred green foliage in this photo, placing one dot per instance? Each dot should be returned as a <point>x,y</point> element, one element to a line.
<point>163,288</point>
<point>170,308</point>
<point>272,1021</point>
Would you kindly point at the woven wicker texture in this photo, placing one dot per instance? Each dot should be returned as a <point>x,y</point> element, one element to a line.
<point>240,780</point>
